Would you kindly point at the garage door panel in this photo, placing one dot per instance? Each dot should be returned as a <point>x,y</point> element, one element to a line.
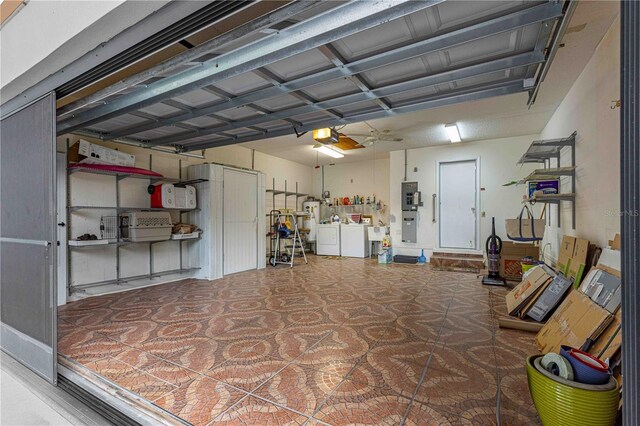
<point>28,236</point>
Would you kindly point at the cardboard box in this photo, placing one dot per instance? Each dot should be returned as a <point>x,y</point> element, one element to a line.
<point>550,298</point>
<point>512,254</point>
<point>532,300</point>
<point>616,243</point>
<point>89,153</point>
<point>578,261</point>
<point>603,288</point>
<point>609,342</point>
<point>610,261</point>
<point>521,294</point>
<point>543,187</point>
<point>573,257</point>
<point>575,320</point>
<point>566,252</point>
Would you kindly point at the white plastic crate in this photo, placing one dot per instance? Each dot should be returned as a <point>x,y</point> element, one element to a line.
<point>146,226</point>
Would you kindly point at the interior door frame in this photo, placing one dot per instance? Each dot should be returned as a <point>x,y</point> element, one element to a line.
<point>20,346</point>
<point>250,172</point>
<point>477,197</point>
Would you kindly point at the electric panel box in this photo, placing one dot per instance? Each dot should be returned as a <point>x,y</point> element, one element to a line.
<point>410,196</point>
<point>409,227</point>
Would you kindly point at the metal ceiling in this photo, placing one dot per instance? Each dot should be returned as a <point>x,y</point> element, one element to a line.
<point>311,64</point>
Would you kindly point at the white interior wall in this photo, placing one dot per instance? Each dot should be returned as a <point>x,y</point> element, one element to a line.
<point>365,178</point>
<point>587,110</point>
<point>498,159</point>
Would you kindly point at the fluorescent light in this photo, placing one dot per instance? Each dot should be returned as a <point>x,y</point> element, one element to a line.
<point>328,151</point>
<point>452,131</point>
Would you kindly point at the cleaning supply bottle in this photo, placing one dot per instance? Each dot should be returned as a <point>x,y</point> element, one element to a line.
<point>422,259</point>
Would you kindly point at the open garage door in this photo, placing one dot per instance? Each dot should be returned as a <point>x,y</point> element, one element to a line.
<point>28,236</point>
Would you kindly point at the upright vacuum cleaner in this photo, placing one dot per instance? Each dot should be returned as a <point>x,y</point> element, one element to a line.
<point>494,247</point>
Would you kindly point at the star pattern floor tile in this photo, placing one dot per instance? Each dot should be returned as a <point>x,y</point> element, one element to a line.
<point>333,342</point>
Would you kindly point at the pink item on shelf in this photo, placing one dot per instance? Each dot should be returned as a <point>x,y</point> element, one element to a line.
<point>115,169</point>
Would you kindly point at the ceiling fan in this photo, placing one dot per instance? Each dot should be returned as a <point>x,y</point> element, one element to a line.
<point>376,135</point>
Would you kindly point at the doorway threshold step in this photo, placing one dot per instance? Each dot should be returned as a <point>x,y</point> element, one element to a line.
<point>457,262</point>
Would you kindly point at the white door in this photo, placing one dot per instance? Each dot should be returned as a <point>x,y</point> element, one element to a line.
<point>240,221</point>
<point>458,204</point>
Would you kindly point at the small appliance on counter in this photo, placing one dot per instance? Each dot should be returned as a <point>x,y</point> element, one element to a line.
<point>145,226</point>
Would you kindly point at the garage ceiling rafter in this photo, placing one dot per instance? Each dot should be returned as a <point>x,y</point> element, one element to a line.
<point>464,96</point>
<point>326,72</point>
<point>192,55</point>
<point>337,23</point>
<point>507,63</point>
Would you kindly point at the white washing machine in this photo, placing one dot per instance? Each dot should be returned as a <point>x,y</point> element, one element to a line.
<point>354,240</point>
<point>328,239</point>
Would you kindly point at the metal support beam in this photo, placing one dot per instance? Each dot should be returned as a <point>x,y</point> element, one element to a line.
<point>432,102</point>
<point>553,48</point>
<point>337,23</point>
<point>278,82</point>
<point>521,60</point>
<point>279,15</point>
<point>444,41</point>
<point>336,59</point>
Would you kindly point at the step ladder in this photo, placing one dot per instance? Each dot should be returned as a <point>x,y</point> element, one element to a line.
<point>285,233</point>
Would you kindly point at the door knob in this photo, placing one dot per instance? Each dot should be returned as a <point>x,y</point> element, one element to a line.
<point>62,224</point>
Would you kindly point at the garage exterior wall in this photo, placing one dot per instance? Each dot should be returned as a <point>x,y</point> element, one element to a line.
<point>45,36</point>
<point>498,159</point>
<point>587,110</point>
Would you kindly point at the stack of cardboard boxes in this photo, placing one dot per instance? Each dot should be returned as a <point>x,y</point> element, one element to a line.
<point>588,312</point>
<point>511,258</point>
<point>572,260</point>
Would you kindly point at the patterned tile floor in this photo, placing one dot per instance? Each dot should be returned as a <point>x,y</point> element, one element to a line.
<point>332,342</point>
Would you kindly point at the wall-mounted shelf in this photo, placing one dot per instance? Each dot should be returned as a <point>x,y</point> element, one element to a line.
<point>551,173</point>
<point>126,209</point>
<point>275,192</point>
<point>135,277</point>
<point>118,241</point>
<point>543,152</point>
<point>553,198</point>
<point>124,242</point>
<point>122,175</point>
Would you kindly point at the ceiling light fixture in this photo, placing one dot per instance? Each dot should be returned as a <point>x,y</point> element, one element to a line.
<point>452,131</point>
<point>326,135</point>
<point>327,151</point>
